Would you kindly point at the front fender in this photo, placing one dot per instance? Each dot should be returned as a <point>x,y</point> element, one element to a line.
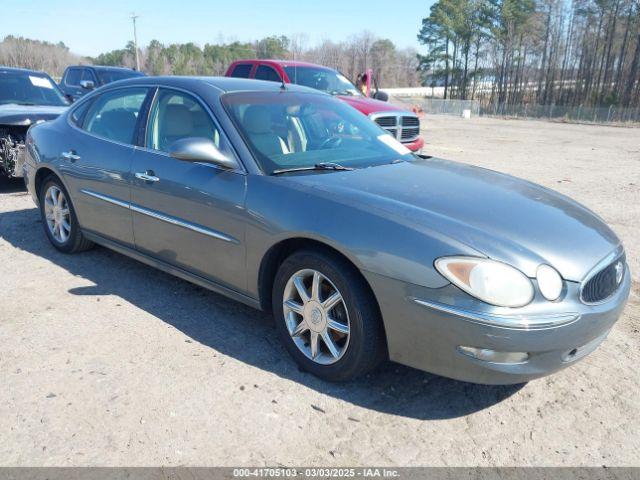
<point>372,240</point>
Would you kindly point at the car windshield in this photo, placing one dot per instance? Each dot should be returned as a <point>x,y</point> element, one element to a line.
<point>292,130</point>
<point>322,79</point>
<point>108,76</point>
<point>29,88</point>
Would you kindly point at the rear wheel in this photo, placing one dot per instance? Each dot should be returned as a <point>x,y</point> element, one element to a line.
<point>327,317</point>
<point>59,218</point>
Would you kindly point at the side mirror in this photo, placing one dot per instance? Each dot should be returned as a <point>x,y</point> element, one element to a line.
<point>382,96</point>
<point>201,150</point>
<point>87,84</point>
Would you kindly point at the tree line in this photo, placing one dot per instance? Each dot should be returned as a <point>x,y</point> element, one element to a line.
<point>392,66</point>
<point>547,52</point>
<point>48,57</point>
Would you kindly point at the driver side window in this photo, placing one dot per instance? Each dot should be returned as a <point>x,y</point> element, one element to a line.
<point>176,115</point>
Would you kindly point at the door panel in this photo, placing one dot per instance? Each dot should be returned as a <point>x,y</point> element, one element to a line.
<point>96,163</point>
<point>100,184</point>
<point>191,217</point>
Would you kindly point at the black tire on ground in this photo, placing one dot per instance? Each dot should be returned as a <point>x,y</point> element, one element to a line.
<point>76,241</point>
<point>367,346</point>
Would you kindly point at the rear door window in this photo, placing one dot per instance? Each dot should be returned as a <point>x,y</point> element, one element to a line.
<point>114,115</point>
<point>242,71</point>
<point>265,72</point>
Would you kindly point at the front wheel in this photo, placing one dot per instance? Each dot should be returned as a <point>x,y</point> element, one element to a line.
<point>327,316</point>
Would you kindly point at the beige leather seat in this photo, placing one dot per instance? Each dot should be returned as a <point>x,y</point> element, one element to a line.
<point>257,123</point>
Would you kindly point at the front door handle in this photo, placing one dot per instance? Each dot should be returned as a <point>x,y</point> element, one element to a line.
<point>70,155</point>
<point>147,176</point>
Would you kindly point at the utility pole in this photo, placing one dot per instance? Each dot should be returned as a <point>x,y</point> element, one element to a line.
<point>135,40</point>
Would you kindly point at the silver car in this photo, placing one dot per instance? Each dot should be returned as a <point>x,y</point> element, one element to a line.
<point>288,200</point>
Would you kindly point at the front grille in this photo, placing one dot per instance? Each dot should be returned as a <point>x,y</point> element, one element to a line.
<point>410,133</point>
<point>604,283</point>
<point>410,122</point>
<point>385,122</point>
<point>401,127</point>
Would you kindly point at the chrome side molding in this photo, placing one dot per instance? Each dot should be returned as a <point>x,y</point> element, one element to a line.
<point>163,217</point>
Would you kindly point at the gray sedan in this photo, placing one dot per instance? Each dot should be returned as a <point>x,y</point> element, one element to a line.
<point>288,200</point>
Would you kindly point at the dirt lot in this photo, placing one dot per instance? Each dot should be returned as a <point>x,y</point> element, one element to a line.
<point>105,361</point>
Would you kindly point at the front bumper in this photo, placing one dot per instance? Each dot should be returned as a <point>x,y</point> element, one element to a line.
<point>416,145</point>
<point>425,329</point>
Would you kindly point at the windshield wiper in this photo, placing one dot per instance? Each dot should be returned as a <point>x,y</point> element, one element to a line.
<point>317,166</point>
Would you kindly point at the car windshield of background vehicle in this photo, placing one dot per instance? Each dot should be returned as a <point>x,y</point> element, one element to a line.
<point>295,130</point>
<point>108,76</point>
<point>322,79</point>
<point>29,89</point>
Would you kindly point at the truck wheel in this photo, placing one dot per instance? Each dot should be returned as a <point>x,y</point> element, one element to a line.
<point>326,316</point>
<point>59,218</point>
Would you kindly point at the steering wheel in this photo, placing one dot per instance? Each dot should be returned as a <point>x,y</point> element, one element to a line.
<point>331,142</point>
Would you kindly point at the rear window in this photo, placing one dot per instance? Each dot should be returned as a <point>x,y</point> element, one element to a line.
<point>267,73</point>
<point>242,71</point>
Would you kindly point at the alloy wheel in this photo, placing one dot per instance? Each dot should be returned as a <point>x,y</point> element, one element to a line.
<point>57,214</point>
<point>316,316</point>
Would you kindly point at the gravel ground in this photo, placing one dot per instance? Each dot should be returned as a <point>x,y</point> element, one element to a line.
<point>103,366</point>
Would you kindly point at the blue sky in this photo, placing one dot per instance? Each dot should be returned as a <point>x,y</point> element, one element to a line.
<point>89,28</point>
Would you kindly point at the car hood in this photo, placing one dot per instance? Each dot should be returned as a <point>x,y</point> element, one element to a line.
<point>497,215</point>
<point>25,115</point>
<point>369,105</point>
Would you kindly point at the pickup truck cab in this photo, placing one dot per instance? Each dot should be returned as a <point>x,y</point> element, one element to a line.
<point>403,124</point>
<point>79,80</point>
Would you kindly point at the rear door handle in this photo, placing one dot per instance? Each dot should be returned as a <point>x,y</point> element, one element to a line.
<point>147,176</point>
<point>70,155</point>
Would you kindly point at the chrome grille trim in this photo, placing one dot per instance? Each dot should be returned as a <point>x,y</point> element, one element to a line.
<point>403,126</point>
<point>601,275</point>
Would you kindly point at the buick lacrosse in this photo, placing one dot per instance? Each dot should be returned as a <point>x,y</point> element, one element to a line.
<point>291,201</point>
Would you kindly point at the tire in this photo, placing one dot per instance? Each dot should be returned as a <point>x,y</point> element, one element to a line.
<point>360,350</point>
<point>71,240</point>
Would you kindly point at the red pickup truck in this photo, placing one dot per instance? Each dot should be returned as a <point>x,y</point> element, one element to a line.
<point>404,125</point>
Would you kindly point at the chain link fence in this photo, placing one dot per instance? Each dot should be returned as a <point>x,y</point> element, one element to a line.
<point>610,114</point>
<point>581,114</point>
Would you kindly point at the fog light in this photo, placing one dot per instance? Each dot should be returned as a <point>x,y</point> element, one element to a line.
<point>487,355</point>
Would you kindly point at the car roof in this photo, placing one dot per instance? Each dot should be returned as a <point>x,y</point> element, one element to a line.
<point>20,70</point>
<point>286,63</point>
<point>222,84</point>
<point>107,68</point>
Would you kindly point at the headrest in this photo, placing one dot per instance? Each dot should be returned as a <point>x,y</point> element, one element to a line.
<point>257,119</point>
<point>178,121</point>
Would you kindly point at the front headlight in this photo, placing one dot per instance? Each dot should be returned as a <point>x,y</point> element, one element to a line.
<point>492,282</point>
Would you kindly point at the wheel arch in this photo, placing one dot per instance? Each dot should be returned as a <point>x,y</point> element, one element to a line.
<point>42,174</point>
<point>278,252</point>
